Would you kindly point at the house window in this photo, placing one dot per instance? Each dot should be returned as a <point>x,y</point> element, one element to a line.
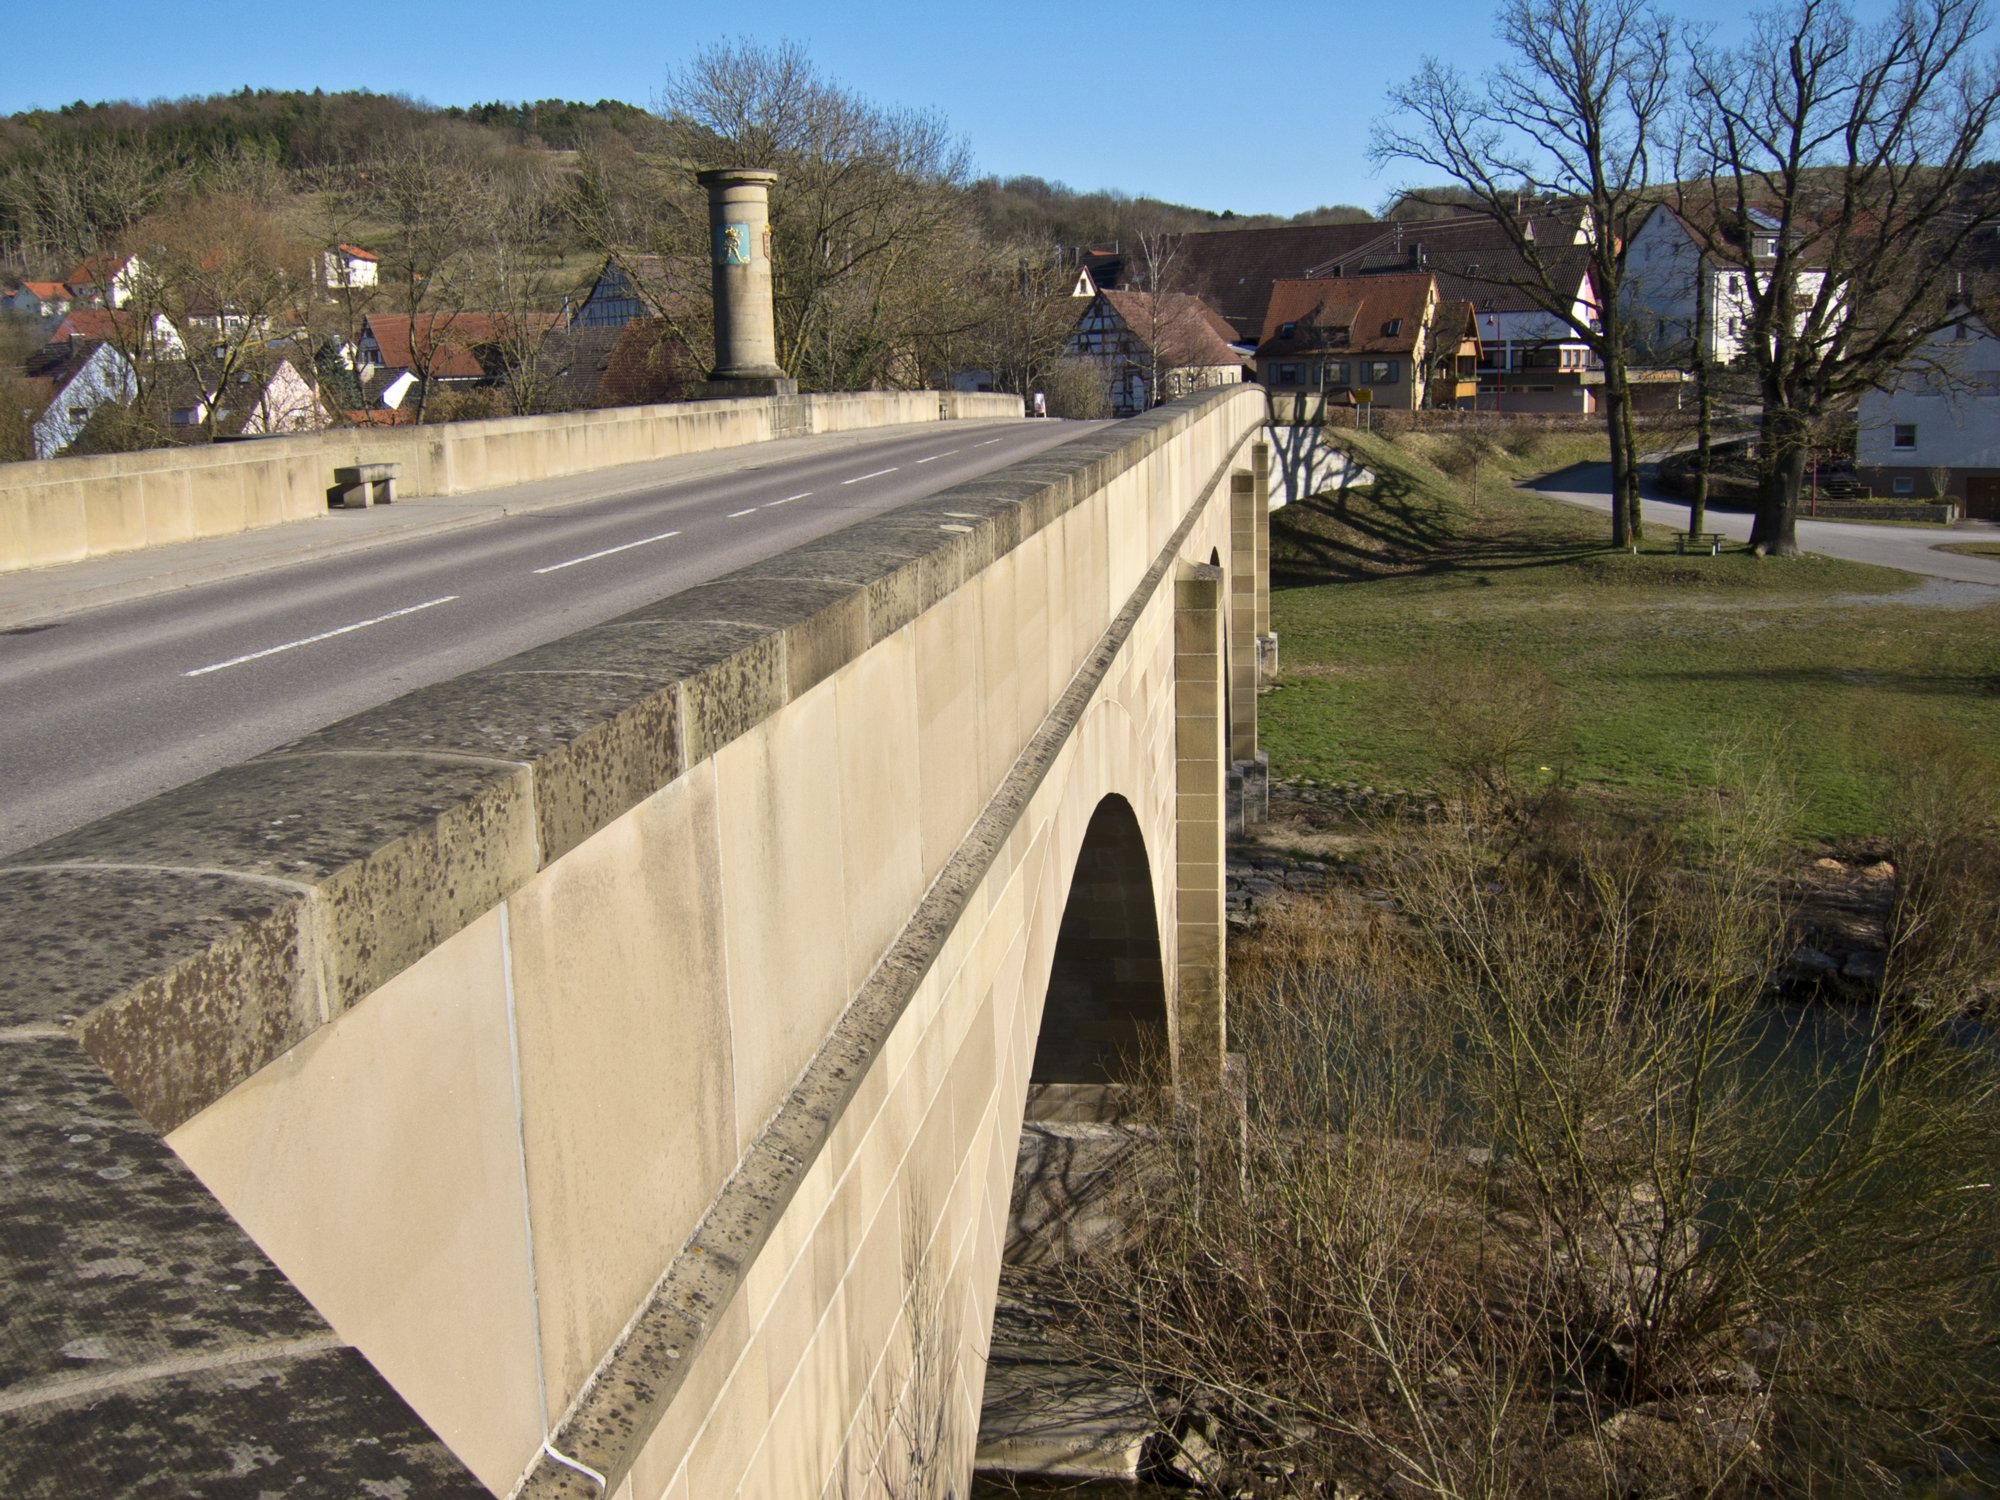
<point>1905,435</point>
<point>1902,484</point>
<point>1334,374</point>
<point>1288,374</point>
<point>1286,330</point>
<point>1391,328</point>
<point>1381,372</point>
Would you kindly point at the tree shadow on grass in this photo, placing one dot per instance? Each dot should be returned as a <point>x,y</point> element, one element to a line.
<point>1943,684</point>
<point>1397,530</point>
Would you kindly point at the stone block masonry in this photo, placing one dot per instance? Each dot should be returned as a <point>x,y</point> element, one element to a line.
<point>582,1045</point>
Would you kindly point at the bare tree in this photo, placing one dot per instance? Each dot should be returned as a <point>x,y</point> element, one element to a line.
<point>231,281</point>
<point>431,197</point>
<point>868,215</point>
<point>1576,117</point>
<point>1835,161</point>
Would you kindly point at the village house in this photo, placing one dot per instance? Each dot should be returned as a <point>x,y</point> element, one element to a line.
<point>1386,341</point>
<point>1154,347</point>
<point>346,267</point>
<point>1933,431</point>
<point>1676,290</point>
<point>105,280</point>
<point>462,348</point>
<point>154,338</point>
<point>628,288</point>
<point>38,299</point>
<point>78,376</point>
<point>253,403</point>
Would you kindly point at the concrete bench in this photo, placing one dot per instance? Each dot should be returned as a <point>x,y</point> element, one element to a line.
<point>1699,541</point>
<point>362,485</point>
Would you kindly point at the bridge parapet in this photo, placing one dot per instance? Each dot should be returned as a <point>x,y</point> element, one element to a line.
<point>519,1019</point>
<point>62,510</point>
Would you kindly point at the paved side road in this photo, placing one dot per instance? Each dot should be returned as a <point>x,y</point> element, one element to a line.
<point>1914,549</point>
<point>125,676</point>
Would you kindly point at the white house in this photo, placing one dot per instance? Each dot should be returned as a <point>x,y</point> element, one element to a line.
<point>81,375</point>
<point>1938,419</point>
<point>38,299</point>
<point>105,280</point>
<point>346,266</point>
<point>1673,286</point>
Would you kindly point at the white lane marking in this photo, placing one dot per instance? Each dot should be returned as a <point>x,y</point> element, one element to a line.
<point>643,541</point>
<point>876,475</point>
<point>750,512</point>
<point>802,495</point>
<point>324,635</point>
<point>987,444</point>
<point>935,456</point>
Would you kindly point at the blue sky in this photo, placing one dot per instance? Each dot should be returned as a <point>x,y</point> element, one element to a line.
<point>1255,107</point>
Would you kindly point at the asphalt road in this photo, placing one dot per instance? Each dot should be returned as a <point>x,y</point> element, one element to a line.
<point>104,706</point>
<point>1914,549</point>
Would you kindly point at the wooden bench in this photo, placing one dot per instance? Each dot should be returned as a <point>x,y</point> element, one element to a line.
<point>363,485</point>
<point>1699,541</point>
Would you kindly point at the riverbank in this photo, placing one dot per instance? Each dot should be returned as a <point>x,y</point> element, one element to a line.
<point>1428,624</point>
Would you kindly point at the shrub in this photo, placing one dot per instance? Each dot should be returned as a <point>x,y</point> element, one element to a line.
<point>1536,1192</point>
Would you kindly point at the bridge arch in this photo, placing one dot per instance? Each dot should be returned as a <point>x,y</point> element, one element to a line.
<point>1106,1005</point>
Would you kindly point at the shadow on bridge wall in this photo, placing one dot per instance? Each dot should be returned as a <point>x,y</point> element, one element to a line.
<point>1107,999</point>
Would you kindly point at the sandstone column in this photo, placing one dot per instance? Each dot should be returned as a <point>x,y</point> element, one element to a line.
<point>746,330</point>
<point>1201,748</point>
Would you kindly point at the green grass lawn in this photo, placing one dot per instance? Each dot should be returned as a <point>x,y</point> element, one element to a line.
<point>1633,673</point>
<point>1970,549</point>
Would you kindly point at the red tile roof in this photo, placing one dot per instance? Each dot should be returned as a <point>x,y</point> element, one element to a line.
<point>97,270</point>
<point>48,291</point>
<point>357,252</point>
<point>1351,314</point>
<point>447,344</point>
<point>94,323</point>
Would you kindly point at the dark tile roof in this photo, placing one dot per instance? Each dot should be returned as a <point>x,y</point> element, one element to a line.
<point>1233,270</point>
<point>58,362</point>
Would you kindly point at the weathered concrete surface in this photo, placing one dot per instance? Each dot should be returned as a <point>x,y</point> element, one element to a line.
<point>592,1039</point>
<point>62,510</point>
<point>1048,1410</point>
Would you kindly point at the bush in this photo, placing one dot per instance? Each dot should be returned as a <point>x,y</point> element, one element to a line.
<point>1076,390</point>
<point>1536,1192</point>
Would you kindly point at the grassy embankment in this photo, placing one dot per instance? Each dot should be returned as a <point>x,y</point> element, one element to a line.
<point>1631,673</point>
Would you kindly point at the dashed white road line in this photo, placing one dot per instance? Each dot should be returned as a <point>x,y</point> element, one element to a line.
<point>750,512</point>
<point>935,456</point>
<point>987,444</point>
<point>802,495</point>
<point>324,635</point>
<point>876,475</point>
<point>643,541</point>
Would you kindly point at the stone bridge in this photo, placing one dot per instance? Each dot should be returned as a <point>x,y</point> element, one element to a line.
<point>603,1073</point>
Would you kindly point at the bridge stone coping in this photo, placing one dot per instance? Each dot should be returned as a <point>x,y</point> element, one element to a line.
<point>185,943</point>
